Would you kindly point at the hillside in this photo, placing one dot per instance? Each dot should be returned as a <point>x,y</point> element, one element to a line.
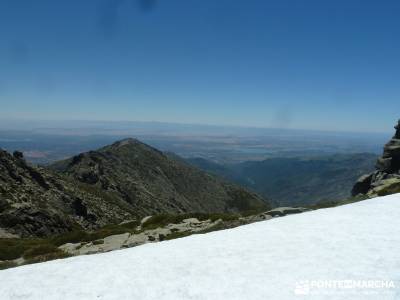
<point>151,182</point>
<point>124,181</point>
<point>240,263</point>
<point>296,181</point>
<point>37,202</point>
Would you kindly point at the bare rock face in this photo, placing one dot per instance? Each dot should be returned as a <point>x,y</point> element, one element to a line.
<point>386,178</point>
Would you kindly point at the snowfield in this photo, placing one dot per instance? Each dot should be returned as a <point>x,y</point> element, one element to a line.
<point>347,252</point>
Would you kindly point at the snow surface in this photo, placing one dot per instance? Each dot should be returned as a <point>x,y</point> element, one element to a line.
<point>265,260</point>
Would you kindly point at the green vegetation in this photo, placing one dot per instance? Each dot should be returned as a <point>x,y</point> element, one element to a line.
<point>7,264</point>
<point>43,248</point>
<point>165,219</point>
<point>388,189</point>
<point>40,250</point>
<point>328,204</point>
<point>295,181</point>
<point>15,248</point>
<point>98,242</point>
<point>177,235</point>
<point>11,249</point>
<point>79,236</point>
<point>32,250</point>
<point>219,226</point>
<point>47,257</point>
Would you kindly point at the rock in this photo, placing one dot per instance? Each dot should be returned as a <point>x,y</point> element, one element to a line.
<point>385,187</point>
<point>37,202</point>
<point>144,220</point>
<point>283,211</point>
<point>397,127</point>
<point>386,178</point>
<point>18,155</point>
<point>363,185</point>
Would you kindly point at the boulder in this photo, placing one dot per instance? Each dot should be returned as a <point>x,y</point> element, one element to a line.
<point>363,185</point>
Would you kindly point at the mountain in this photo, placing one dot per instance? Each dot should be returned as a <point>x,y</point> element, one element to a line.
<point>152,182</point>
<point>124,181</point>
<point>38,202</point>
<point>386,177</point>
<point>296,181</point>
<point>346,252</point>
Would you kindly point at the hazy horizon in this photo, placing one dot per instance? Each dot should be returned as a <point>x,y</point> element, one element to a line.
<point>37,125</point>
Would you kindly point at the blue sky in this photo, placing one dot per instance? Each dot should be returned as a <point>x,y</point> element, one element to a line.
<point>295,64</point>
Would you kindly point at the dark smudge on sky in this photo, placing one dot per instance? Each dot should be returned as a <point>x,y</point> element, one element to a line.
<point>147,5</point>
<point>109,14</point>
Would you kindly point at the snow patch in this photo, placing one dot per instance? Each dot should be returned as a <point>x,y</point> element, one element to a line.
<point>299,256</point>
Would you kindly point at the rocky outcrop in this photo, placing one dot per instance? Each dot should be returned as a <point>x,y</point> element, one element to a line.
<point>37,202</point>
<point>386,179</point>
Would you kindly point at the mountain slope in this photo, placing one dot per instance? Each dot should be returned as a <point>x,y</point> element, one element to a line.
<point>276,259</point>
<point>37,202</point>
<point>151,182</point>
<point>297,181</point>
<point>123,181</point>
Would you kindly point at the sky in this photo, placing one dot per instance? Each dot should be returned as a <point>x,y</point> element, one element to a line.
<point>312,64</point>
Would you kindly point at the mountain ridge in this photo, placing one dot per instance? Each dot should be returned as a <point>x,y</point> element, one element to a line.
<point>155,182</point>
<point>122,181</point>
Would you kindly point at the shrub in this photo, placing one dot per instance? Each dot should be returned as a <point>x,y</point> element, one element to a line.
<point>14,248</point>
<point>40,250</point>
<point>98,242</point>
<point>177,235</point>
<point>70,237</point>
<point>47,257</point>
<point>7,264</point>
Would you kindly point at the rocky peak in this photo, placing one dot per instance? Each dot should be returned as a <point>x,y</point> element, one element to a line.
<point>389,162</point>
<point>397,127</point>
<point>387,175</point>
<point>18,155</point>
<point>124,142</point>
